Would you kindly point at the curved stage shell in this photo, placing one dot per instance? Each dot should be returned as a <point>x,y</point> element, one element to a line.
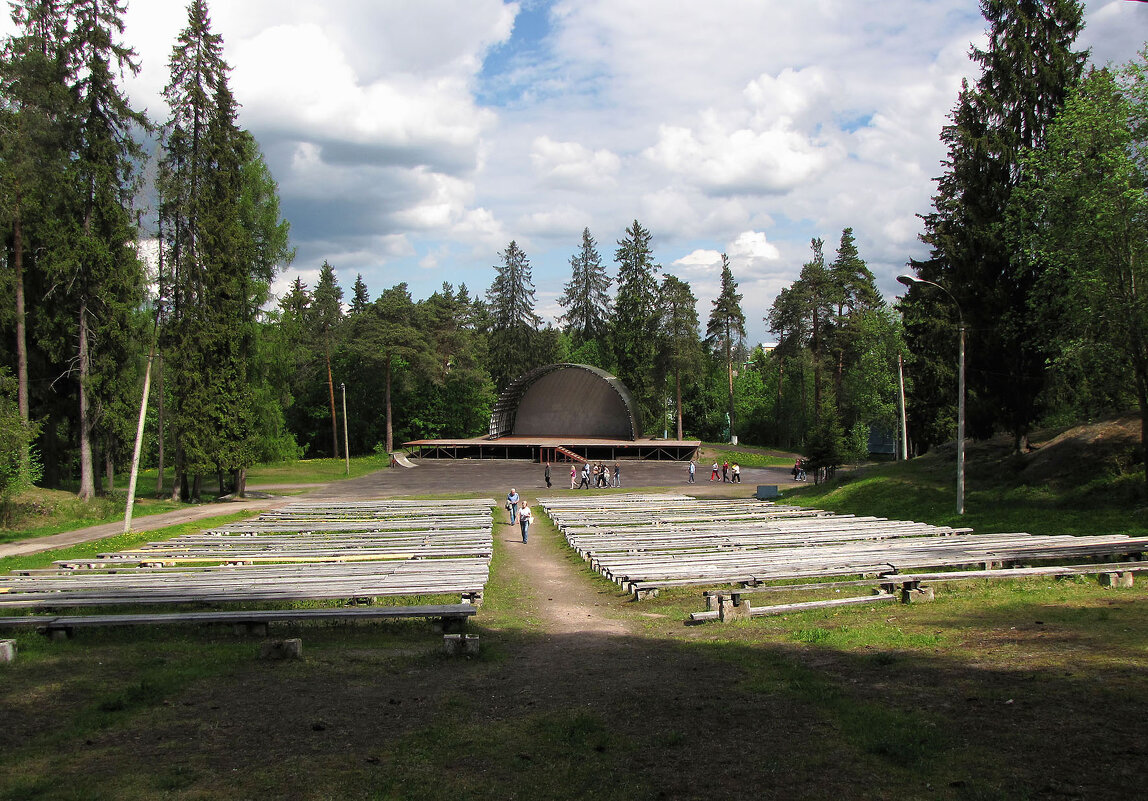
<point>566,400</point>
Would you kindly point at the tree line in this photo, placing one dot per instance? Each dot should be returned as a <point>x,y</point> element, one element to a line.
<point>1036,235</point>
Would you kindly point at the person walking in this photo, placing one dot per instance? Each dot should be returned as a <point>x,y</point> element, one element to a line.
<point>573,476</point>
<point>725,472</point>
<point>713,472</point>
<point>512,504</point>
<point>736,473</point>
<point>693,467</point>
<point>525,518</point>
<point>617,475</point>
<point>547,475</point>
<point>585,483</point>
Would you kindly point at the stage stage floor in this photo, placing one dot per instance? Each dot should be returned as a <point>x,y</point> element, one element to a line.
<point>554,449</point>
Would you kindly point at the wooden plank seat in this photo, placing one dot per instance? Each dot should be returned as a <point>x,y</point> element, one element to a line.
<point>456,614</point>
<point>885,586</point>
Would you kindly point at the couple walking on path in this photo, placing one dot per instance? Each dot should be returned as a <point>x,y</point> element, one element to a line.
<point>521,511</point>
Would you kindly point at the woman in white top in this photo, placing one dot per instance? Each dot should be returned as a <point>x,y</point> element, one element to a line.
<point>525,518</point>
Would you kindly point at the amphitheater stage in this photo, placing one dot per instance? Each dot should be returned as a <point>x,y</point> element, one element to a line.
<point>554,449</point>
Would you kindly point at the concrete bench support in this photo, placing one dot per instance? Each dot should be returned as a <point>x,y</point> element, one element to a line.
<point>460,644</point>
<point>1121,579</point>
<point>281,649</point>
<point>7,651</point>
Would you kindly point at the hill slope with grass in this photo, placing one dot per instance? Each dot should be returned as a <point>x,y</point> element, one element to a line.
<point>1084,480</point>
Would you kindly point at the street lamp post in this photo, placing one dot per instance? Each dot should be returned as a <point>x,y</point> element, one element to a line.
<point>346,444</point>
<point>909,280</point>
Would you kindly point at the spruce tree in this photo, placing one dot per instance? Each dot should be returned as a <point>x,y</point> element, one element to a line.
<point>725,330</point>
<point>636,318</point>
<point>513,320</point>
<point>98,273</point>
<point>586,298</point>
<point>1027,70</point>
<point>326,315</point>
<point>680,355</point>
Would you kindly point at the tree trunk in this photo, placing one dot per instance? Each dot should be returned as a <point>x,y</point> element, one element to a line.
<point>729,370</point>
<point>178,478</point>
<point>239,478</point>
<point>110,468</point>
<point>331,392</point>
<point>197,487</point>
<point>21,330</point>
<point>87,482</point>
<point>159,424</point>
<point>678,399</point>
<point>390,432</point>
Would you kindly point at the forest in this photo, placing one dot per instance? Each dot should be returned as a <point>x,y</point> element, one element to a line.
<point>1037,237</point>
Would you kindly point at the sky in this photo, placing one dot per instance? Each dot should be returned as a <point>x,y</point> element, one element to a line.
<point>412,141</point>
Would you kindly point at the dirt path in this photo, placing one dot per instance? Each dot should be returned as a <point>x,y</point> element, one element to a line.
<point>568,604</point>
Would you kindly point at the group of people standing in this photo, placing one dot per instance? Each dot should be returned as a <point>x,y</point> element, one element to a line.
<point>729,474</point>
<point>595,475</point>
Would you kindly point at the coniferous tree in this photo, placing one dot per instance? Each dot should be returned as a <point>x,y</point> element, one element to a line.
<point>586,298</point>
<point>725,330</point>
<point>33,91</point>
<point>96,270</point>
<point>223,241</point>
<point>360,298</point>
<point>513,320</point>
<point>1026,72</point>
<point>680,355</point>
<point>327,313</point>
<point>635,319</point>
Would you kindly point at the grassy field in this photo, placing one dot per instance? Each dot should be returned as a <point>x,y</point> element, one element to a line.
<point>40,512</point>
<point>997,690</point>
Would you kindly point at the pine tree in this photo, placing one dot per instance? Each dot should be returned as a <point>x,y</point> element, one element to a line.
<point>586,298</point>
<point>513,320</point>
<point>360,297</point>
<point>635,319</point>
<point>678,330</point>
<point>98,272</point>
<point>725,330</point>
<point>326,314</point>
<point>223,241</point>
<point>33,153</point>
<point>1026,72</point>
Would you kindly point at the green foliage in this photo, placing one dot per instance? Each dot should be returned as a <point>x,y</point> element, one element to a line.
<point>19,462</point>
<point>1082,215</point>
<point>635,320</point>
<point>1027,72</point>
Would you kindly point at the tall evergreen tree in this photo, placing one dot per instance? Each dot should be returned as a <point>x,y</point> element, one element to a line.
<point>513,320</point>
<point>360,297</point>
<point>33,92</point>
<point>680,355</point>
<point>223,241</point>
<point>327,313</point>
<point>636,317</point>
<point>97,271</point>
<point>1026,72</point>
<point>725,330</point>
<point>586,298</point>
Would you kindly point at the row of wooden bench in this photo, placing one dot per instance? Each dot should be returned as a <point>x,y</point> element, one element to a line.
<point>733,604</point>
<point>749,542</point>
<point>238,564</point>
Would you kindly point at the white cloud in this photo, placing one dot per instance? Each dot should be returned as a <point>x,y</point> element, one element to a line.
<point>569,165</point>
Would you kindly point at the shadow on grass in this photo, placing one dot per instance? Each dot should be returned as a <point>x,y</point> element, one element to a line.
<point>376,711</point>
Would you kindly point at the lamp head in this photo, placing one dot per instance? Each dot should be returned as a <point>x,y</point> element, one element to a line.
<point>907,280</point>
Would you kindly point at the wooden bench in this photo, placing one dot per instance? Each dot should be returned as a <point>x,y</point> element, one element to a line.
<point>453,616</point>
<point>728,604</point>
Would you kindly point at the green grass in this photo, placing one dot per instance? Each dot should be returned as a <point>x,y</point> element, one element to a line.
<point>997,690</point>
<point>39,512</point>
<point>902,492</point>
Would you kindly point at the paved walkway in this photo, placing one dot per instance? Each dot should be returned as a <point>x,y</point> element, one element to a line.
<point>430,477</point>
